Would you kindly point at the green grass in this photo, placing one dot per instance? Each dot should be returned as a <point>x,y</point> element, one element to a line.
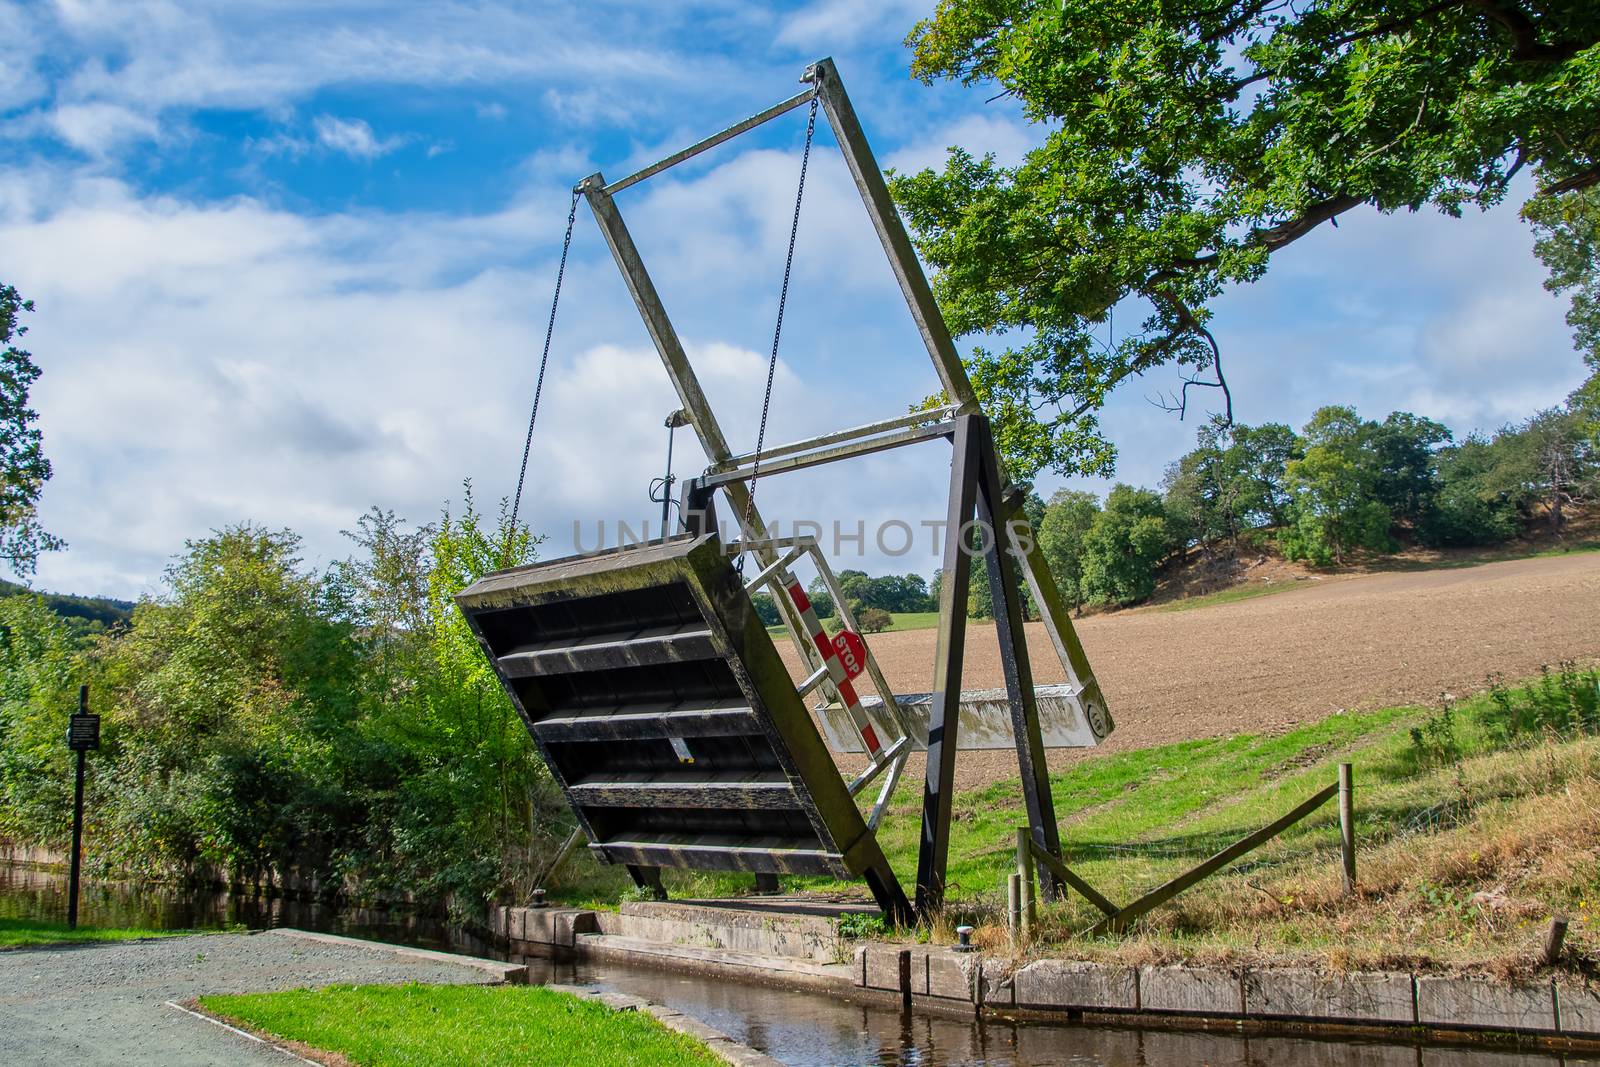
<point>1567,550</point>
<point>413,1025</point>
<point>16,933</point>
<point>914,620</point>
<point>1238,592</point>
<point>1467,845</point>
<point>1471,835</point>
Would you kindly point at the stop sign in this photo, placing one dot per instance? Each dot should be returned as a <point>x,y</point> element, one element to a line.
<point>852,652</point>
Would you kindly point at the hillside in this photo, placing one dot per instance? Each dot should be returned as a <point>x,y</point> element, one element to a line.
<point>1271,663</point>
<point>87,613</point>
<point>1260,568</point>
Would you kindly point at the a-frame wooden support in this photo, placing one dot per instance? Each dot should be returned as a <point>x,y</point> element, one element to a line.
<point>977,524</point>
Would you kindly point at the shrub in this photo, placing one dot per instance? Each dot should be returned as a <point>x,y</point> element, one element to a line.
<point>874,620</point>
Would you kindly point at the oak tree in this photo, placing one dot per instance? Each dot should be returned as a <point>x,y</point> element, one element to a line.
<point>1184,142</point>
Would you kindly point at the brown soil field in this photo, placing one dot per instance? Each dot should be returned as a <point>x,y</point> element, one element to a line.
<point>1274,662</point>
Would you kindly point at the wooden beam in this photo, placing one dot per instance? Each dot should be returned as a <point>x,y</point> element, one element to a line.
<point>1014,661</point>
<point>1065,873</point>
<point>945,713</point>
<point>1160,895</point>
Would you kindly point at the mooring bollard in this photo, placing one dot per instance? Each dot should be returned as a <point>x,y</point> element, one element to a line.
<point>1014,907</point>
<point>1347,827</point>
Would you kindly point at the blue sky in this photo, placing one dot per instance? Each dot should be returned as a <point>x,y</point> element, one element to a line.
<point>293,260</point>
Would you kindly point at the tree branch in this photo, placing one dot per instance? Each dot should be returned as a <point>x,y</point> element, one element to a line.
<point>1578,181</point>
<point>1284,233</point>
<point>1525,43</point>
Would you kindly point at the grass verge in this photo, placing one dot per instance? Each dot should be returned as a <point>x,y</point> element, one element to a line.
<point>1476,821</point>
<point>18,933</point>
<point>481,1026</point>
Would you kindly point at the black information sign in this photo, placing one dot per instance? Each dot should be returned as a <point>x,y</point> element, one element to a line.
<point>83,735</point>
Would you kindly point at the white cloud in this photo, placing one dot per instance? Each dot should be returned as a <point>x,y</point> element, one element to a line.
<point>20,80</point>
<point>1007,136</point>
<point>353,137</point>
<point>97,129</point>
<point>153,59</point>
<point>833,23</point>
<point>212,363</point>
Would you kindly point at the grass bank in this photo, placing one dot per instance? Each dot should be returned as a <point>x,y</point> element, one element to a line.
<point>18,933</point>
<point>1477,819</point>
<point>481,1026</point>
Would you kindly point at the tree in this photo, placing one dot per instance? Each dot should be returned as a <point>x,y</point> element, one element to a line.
<point>234,693</point>
<point>821,599</point>
<point>465,795</point>
<point>1125,546</point>
<point>766,609</point>
<point>980,597</point>
<point>1334,485</point>
<point>23,466</point>
<point>1568,230</point>
<point>1401,450</point>
<point>1546,463</point>
<point>1184,143</point>
<point>1468,508</point>
<point>1204,490</point>
<point>40,669</point>
<point>1067,519</point>
<point>1232,480</point>
<point>1265,452</point>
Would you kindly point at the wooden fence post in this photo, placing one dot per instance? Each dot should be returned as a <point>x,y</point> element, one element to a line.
<point>1553,939</point>
<point>1030,896</point>
<point>1347,828</point>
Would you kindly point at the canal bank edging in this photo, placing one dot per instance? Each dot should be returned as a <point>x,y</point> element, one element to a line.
<point>1549,1013</point>
<point>721,1045</point>
<point>1386,1000</point>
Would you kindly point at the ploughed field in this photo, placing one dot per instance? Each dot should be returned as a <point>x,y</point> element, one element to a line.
<point>1267,664</point>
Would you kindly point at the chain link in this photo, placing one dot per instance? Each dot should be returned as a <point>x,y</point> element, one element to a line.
<point>777,332</point>
<point>544,359</point>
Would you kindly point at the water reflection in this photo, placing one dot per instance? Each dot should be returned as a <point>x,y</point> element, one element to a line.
<point>797,1026</point>
<point>32,893</point>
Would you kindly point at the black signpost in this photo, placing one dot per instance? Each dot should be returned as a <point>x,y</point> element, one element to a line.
<point>83,734</point>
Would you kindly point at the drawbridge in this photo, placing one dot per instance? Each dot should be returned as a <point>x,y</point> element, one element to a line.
<point>657,697</point>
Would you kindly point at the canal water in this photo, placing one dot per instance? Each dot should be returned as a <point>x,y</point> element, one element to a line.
<point>798,1027</point>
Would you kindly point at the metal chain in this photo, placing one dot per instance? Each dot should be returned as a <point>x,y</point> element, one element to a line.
<point>777,332</point>
<point>544,359</point>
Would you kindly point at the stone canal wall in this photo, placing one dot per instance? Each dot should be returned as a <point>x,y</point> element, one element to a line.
<point>1557,1012</point>
<point>1386,999</point>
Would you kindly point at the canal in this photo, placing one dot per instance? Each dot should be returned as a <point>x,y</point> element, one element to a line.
<point>798,1027</point>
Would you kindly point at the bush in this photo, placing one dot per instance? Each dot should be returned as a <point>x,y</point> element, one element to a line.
<point>1433,743</point>
<point>874,620</point>
<point>1322,539</point>
<point>1563,701</point>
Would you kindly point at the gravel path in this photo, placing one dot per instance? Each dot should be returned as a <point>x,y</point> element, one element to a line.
<point>104,1003</point>
<point>1275,662</point>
